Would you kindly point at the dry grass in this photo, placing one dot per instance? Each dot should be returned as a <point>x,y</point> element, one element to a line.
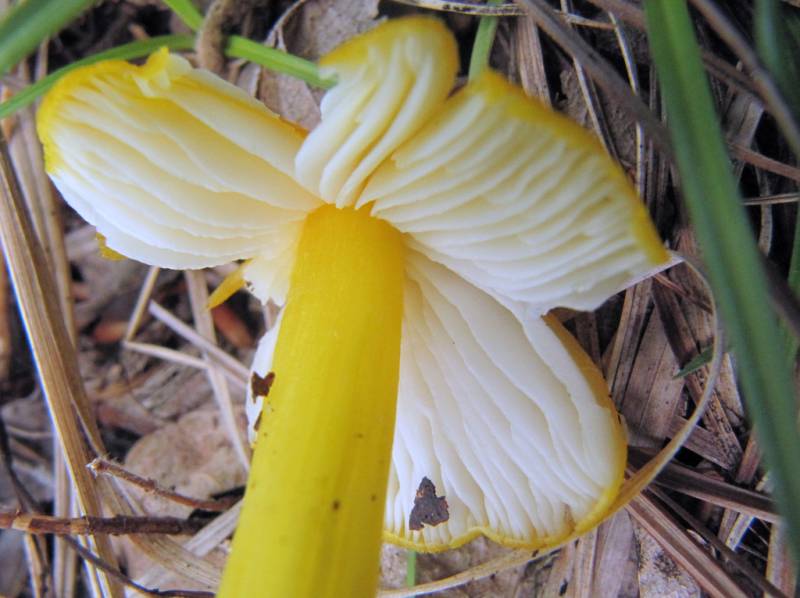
<point>118,362</point>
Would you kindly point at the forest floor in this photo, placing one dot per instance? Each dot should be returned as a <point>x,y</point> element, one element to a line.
<point>147,360</point>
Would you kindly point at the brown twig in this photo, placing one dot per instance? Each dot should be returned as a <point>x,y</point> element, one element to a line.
<point>102,466</point>
<point>187,332</point>
<point>729,555</point>
<point>466,8</point>
<point>82,526</point>
<point>50,342</point>
<point>772,199</point>
<point>599,70</point>
<point>498,10</point>
<point>626,11</point>
<point>760,161</point>
<point>141,302</point>
<point>679,290</point>
<point>5,329</point>
<point>686,552</point>
<point>35,548</point>
<point>764,84</point>
<point>204,325</point>
<point>115,573</point>
<point>687,481</point>
<point>591,100</point>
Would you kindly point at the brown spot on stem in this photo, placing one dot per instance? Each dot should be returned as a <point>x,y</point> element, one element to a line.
<point>260,386</point>
<point>336,504</point>
<point>428,509</point>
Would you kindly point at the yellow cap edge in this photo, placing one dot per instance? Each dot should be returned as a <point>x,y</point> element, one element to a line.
<point>47,116</point>
<point>496,88</point>
<point>354,51</point>
<point>605,502</point>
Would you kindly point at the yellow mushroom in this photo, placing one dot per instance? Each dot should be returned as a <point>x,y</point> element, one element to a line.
<point>418,240</point>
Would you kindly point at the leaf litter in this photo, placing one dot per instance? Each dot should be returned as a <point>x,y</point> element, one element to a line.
<point>160,417</point>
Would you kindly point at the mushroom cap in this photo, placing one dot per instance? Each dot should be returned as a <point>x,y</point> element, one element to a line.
<point>507,210</point>
<point>176,167</point>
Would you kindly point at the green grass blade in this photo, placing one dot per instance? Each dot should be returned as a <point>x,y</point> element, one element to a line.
<point>698,361</point>
<point>482,46</point>
<point>778,50</point>
<point>729,249</point>
<point>238,48</point>
<point>187,12</point>
<point>411,568</point>
<point>276,60</point>
<point>31,22</point>
<point>241,47</point>
<point>124,52</point>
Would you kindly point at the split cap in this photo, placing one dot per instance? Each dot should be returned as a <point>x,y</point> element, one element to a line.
<point>505,208</point>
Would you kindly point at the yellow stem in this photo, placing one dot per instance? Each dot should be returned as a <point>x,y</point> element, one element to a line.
<point>313,511</point>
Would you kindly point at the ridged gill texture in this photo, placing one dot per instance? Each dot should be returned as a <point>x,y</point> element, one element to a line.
<point>171,165</point>
<point>496,209</point>
<point>517,434</point>
<point>391,80</point>
<point>518,200</point>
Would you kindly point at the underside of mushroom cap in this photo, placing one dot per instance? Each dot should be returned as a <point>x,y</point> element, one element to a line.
<point>507,210</point>
<point>504,425</point>
<point>390,81</point>
<point>171,165</point>
<point>512,425</point>
<point>504,414</point>
<point>517,199</point>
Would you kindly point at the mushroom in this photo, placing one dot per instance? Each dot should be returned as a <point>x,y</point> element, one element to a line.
<point>418,240</point>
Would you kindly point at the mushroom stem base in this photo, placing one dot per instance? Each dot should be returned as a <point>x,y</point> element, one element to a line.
<point>313,510</point>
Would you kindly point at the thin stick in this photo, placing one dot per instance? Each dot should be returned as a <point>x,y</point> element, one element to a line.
<point>112,571</point>
<point>166,354</point>
<point>590,99</point>
<point>102,466</point>
<point>729,555</point>
<point>764,163</point>
<point>184,330</point>
<point>49,339</point>
<point>465,8</point>
<point>626,11</point>
<point>709,573</point>
<point>764,84</point>
<point>517,558</point>
<point>141,302</point>
<point>772,199</point>
<point>633,78</point>
<point>63,559</point>
<point>202,543</point>
<point>115,526</point>
<point>198,298</point>
<point>687,481</point>
<point>598,69</point>
<point>183,359</point>
<point>498,10</point>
